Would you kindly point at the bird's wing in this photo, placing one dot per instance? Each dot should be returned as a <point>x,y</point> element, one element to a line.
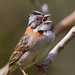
<point>20,49</point>
<point>23,46</point>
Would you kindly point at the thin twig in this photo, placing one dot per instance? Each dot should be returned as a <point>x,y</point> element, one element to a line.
<point>57,49</point>
<point>64,23</point>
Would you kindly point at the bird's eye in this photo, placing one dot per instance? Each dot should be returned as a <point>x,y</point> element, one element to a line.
<point>37,19</point>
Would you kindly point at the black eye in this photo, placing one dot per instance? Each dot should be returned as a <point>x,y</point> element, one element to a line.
<point>41,31</point>
<point>37,19</point>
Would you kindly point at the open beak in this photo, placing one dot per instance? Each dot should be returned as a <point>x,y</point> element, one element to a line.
<point>46,17</point>
<point>47,22</point>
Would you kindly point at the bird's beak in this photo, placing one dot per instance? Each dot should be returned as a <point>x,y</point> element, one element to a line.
<point>46,17</point>
<point>47,22</point>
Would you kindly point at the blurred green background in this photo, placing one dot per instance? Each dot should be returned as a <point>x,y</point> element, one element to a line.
<point>13,22</point>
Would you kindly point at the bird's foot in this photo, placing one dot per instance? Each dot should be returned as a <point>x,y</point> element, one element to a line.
<point>22,70</point>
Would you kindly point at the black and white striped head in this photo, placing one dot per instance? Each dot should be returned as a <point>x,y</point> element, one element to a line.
<point>36,18</point>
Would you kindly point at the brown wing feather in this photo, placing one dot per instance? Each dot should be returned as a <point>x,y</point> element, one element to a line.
<point>20,49</point>
<point>22,46</point>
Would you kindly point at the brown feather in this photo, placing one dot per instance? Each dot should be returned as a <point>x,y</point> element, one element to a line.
<point>20,49</point>
<point>22,46</point>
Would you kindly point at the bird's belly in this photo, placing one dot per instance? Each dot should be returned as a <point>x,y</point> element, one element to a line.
<point>31,57</point>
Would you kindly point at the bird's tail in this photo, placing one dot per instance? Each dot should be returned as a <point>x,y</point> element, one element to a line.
<point>4,70</point>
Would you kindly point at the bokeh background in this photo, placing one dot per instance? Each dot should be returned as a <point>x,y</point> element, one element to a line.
<point>13,22</point>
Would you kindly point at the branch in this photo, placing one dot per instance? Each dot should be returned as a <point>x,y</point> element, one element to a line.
<point>65,23</point>
<point>57,49</point>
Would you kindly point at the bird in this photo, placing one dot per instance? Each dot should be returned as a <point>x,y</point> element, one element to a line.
<point>33,45</point>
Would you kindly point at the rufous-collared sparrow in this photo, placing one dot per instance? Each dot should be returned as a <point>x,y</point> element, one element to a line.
<point>33,45</point>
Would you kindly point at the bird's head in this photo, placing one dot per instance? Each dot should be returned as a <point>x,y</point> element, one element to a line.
<point>36,18</point>
<point>38,22</point>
